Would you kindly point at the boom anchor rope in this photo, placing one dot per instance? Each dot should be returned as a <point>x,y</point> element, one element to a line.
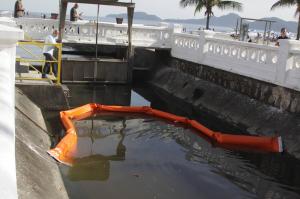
<point>66,148</point>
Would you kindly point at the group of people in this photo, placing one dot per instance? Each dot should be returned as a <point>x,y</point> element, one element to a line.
<point>19,11</point>
<point>273,38</point>
<point>48,50</point>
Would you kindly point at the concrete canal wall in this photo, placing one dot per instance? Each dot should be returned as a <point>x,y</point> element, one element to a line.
<point>46,96</point>
<point>26,171</point>
<point>255,106</point>
<point>280,97</point>
<point>38,175</point>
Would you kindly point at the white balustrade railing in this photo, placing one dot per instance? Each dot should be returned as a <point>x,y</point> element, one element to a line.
<point>256,61</point>
<point>277,65</point>
<point>108,33</point>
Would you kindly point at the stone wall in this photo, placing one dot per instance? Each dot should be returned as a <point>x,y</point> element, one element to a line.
<point>248,115</point>
<point>277,96</point>
<point>270,94</point>
<point>255,107</point>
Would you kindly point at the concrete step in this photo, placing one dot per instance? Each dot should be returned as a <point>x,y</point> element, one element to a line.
<point>22,67</point>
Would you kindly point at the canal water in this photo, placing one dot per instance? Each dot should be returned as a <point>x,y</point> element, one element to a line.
<point>136,156</point>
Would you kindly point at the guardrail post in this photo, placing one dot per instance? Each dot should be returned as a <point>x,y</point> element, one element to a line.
<point>203,46</point>
<point>59,63</point>
<point>283,61</point>
<point>8,40</point>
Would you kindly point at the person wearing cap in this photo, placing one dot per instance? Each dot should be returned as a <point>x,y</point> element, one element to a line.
<point>74,16</point>
<point>48,53</point>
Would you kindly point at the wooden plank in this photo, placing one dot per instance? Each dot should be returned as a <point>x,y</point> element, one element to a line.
<point>103,2</point>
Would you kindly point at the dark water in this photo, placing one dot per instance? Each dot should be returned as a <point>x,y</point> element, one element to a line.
<point>134,156</point>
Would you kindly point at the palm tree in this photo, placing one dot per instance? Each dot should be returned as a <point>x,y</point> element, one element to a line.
<point>209,4</point>
<point>289,3</point>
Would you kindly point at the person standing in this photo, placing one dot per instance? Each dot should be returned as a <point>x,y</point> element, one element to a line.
<point>19,9</point>
<point>74,16</point>
<point>48,53</point>
<point>283,35</point>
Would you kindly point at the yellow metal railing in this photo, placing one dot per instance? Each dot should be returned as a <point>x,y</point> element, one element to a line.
<point>38,58</point>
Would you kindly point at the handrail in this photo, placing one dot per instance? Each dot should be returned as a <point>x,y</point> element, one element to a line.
<point>39,58</point>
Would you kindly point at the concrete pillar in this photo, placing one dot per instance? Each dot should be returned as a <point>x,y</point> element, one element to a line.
<point>8,39</point>
<point>62,18</point>
<point>203,46</point>
<point>130,12</point>
<point>283,61</point>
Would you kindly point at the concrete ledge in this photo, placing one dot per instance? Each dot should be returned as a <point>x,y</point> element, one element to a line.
<point>38,175</point>
<point>47,97</point>
<point>108,70</point>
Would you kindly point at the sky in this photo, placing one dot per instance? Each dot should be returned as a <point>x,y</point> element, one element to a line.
<point>162,8</point>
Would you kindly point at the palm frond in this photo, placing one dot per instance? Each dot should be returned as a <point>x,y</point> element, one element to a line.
<point>198,8</point>
<point>185,3</point>
<point>284,3</point>
<point>229,5</point>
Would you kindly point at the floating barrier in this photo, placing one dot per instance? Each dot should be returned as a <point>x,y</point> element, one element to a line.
<point>66,148</point>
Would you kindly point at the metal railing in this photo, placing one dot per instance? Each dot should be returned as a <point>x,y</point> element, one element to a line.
<point>32,55</point>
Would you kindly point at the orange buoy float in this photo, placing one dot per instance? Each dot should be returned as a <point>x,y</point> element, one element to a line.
<point>66,148</point>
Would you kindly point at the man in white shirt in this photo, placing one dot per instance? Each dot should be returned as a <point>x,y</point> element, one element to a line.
<point>48,53</point>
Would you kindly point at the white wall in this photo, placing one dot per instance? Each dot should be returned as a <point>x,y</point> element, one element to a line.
<point>277,65</point>
<point>8,38</point>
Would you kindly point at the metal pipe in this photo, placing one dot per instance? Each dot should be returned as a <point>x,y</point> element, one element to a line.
<point>96,55</point>
<point>269,33</point>
<point>241,22</point>
<point>265,32</point>
<point>236,28</point>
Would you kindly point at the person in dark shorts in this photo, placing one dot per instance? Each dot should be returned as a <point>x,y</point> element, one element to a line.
<point>48,53</point>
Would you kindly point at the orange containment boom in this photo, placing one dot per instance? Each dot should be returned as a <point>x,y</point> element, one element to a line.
<point>66,148</point>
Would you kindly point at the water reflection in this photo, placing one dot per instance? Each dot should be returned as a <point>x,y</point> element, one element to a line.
<point>179,152</point>
<point>93,166</point>
<point>149,158</point>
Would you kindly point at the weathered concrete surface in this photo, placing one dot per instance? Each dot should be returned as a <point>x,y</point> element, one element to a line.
<point>103,94</point>
<point>47,97</point>
<point>147,60</point>
<point>238,109</point>
<point>83,69</point>
<point>277,96</point>
<point>116,51</point>
<point>270,94</point>
<point>38,175</point>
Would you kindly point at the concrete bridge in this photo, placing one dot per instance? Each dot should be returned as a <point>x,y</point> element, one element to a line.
<point>276,65</point>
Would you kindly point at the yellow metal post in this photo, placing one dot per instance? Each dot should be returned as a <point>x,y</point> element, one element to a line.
<point>59,46</point>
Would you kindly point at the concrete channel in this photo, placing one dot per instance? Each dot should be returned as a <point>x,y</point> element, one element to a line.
<point>204,90</point>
